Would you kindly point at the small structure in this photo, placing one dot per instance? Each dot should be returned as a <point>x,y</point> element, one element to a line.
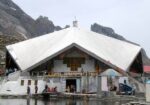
<point>111,79</point>
<point>1,72</point>
<point>148,90</point>
<point>146,70</point>
<point>72,57</point>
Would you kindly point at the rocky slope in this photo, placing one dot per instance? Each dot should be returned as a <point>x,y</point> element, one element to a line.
<point>106,31</point>
<point>13,21</point>
<point>16,25</point>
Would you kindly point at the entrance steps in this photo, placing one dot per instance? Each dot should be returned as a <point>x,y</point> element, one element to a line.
<point>140,87</point>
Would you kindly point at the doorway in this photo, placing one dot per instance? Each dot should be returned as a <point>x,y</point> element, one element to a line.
<point>71,85</point>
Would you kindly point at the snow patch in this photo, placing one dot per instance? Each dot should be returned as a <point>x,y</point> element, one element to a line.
<point>13,8</point>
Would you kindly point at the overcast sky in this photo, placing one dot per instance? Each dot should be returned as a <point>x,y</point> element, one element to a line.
<point>129,18</point>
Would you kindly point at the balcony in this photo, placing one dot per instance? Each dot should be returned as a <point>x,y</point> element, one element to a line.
<point>71,74</point>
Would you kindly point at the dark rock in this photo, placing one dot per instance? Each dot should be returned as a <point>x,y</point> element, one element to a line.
<point>10,19</point>
<point>16,25</point>
<point>43,26</point>
<point>57,28</point>
<point>106,31</point>
<point>14,18</point>
<point>67,26</point>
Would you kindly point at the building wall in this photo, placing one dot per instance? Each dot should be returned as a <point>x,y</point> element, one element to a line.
<point>92,84</point>
<point>89,84</point>
<point>60,83</point>
<point>57,82</point>
<point>88,66</point>
<point>60,67</point>
<point>147,92</point>
<point>15,87</point>
<point>84,83</point>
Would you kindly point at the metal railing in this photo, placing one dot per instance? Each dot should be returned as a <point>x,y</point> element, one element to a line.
<point>60,74</point>
<point>71,74</point>
<point>33,77</point>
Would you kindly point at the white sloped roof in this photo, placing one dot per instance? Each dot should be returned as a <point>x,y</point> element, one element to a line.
<point>32,52</point>
<point>110,72</point>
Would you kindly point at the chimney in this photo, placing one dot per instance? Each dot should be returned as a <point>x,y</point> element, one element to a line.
<point>75,23</point>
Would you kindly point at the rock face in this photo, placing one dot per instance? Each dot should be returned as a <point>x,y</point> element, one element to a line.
<point>111,33</point>
<point>106,31</point>
<point>6,40</point>
<point>44,26</point>
<point>15,21</point>
<point>12,18</point>
<point>16,25</point>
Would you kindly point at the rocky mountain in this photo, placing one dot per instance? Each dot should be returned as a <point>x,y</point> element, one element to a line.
<point>106,31</point>
<point>13,20</point>
<point>111,33</point>
<point>16,25</point>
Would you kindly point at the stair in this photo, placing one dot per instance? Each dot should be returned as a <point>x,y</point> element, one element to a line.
<point>14,76</point>
<point>140,87</point>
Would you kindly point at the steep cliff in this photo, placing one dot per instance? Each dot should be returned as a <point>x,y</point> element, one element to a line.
<point>13,20</point>
<point>16,25</point>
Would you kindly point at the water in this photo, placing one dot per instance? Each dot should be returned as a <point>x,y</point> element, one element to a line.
<point>54,102</point>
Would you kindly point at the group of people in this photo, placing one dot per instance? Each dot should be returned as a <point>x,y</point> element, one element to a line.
<point>70,88</point>
<point>113,88</point>
<point>48,89</point>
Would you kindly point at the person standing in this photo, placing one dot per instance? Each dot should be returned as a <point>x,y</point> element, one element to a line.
<point>46,88</point>
<point>36,89</point>
<point>133,89</point>
<point>28,90</point>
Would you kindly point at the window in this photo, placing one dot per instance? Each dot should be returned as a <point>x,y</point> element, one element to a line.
<point>29,82</point>
<point>36,82</point>
<point>74,62</point>
<point>22,82</point>
<point>34,74</point>
<point>41,73</point>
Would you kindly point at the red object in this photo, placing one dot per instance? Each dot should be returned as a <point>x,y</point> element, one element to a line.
<point>1,72</point>
<point>147,69</point>
<point>49,89</point>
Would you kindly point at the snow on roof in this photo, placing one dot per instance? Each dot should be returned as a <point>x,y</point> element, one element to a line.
<point>110,72</point>
<point>116,53</point>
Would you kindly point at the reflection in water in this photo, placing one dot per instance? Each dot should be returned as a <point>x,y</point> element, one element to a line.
<point>85,102</point>
<point>71,102</point>
<point>29,101</point>
<point>35,103</point>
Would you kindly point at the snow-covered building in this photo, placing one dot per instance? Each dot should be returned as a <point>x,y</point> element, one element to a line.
<point>71,56</point>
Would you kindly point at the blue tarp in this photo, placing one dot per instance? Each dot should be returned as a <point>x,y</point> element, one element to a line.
<point>148,81</point>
